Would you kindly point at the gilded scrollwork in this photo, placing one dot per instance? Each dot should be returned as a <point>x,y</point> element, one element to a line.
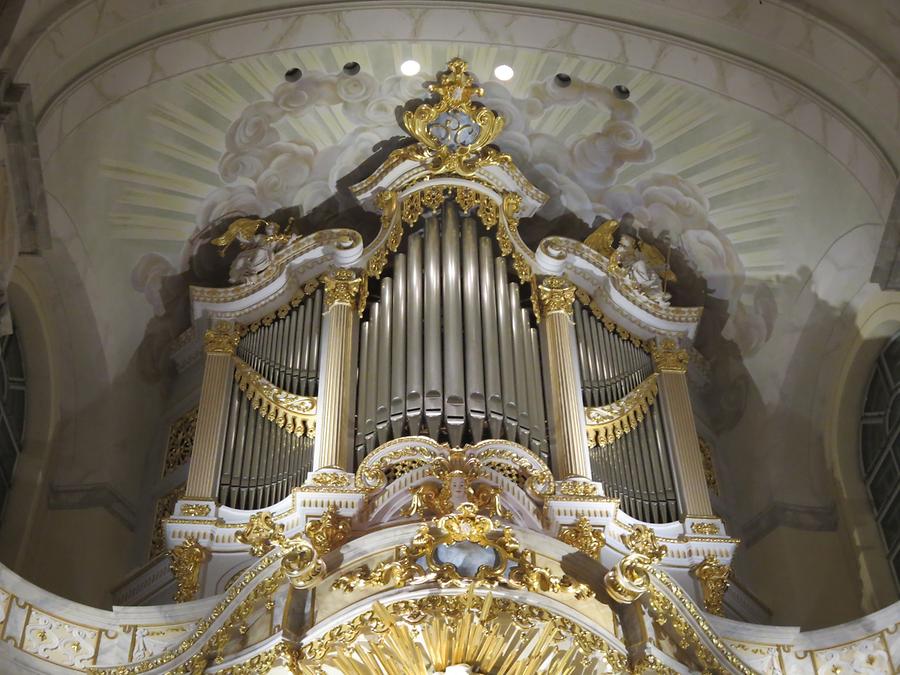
<point>181,441</point>
<point>488,557</point>
<point>300,560</point>
<point>629,579</point>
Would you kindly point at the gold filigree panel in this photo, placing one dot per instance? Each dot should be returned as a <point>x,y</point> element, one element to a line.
<point>181,441</point>
<point>165,508</point>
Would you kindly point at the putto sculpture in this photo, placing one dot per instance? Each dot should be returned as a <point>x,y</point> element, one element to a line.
<point>257,248</point>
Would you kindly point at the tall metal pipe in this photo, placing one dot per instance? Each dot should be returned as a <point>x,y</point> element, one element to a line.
<point>472,333</point>
<point>383,386</point>
<point>434,398</point>
<point>414,370</point>
<point>491,346</point>
<point>398,347</point>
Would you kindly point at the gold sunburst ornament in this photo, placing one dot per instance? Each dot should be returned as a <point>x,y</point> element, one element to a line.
<point>453,134</point>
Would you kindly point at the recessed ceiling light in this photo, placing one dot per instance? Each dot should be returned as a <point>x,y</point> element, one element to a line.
<point>503,73</point>
<point>410,67</point>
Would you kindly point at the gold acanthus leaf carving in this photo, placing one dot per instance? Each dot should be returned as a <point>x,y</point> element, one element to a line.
<point>704,528</point>
<point>601,239</point>
<point>331,479</point>
<point>222,338</point>
<point>341,288</point>
<point>709,470</point>
<point>668,357</point>
<point>629,579</point>
<point>196,510</point>
<point>576,488</point>
<point>583,536</point>
<point>328,532</point>
<point>186,564</point>
<point>295,414</point>
<point>608,423</point>
<point>557,294</point>
<point>713,576</point>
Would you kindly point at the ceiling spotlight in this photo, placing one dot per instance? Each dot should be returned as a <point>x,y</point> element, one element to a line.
<point>351,68</point>
<point>503,73</point>
<point>563,79</point>
<point>620,91</point>
<point>410,67</point>
<point>293,75</point>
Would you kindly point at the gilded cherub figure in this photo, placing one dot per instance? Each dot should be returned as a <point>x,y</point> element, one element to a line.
<point>257,248</point>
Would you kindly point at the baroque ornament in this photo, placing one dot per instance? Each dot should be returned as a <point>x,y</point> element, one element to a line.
<point>463,548</point>
<point>453,133</point>
<point>328,532</point>
<point>668,357</point>
<point>341,288</point>
<point>608,423</point>
<point>557,294</point>
<point>713,576</point>
<point>583,536</point>
<point>629,579</point>
<point>295,414</point>
<point>300,560</point>
<point>187,561</point>
<point>222,338</point>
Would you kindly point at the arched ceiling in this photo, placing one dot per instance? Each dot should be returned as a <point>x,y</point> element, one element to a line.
<point>759,141</point>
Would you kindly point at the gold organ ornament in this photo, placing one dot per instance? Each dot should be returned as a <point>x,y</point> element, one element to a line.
<point>181,441</point>
<point>299,560</point>
<point>222,338</point>
<point>186,565</point>
<point>668,357</point>
<point>557,294</point>
<point>608,423</point>
<point>583,536</point>
<point>713,577</point>
<point>295,414</point>
<point>453,133</point>
<point>629,579</point>
<point>328,532</point>
<point>341,287</point>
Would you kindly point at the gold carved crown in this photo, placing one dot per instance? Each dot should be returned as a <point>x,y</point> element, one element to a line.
<point>453,133</point>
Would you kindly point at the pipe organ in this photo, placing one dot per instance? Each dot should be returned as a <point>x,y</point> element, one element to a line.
<point>448,344</point>
<point>261,460</point>
<point>634,462</point>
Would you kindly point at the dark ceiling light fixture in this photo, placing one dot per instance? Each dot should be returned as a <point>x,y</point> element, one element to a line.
<point>293,75</point>
<point>563,79</point>
<point>351,68</point>
<point>621,92</point>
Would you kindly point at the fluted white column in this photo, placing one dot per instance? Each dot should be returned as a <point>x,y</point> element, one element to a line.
<point>678,415</point>
<point>206,458</point>
<point>569,451</point>
<point>333,447</point>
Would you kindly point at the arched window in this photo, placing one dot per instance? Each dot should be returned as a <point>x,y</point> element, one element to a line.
<point>12,409</point>
<point>880,448</point>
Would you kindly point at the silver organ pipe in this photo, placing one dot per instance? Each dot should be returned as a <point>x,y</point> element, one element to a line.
<point>635,467</point>
<point>261,462</point>
<point>457,354</point>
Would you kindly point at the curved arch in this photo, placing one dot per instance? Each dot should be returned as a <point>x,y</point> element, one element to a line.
<point>876,321</point>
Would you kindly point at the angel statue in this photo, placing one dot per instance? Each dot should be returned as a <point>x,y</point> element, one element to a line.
<point>257,248</point>
<point>643,268</point>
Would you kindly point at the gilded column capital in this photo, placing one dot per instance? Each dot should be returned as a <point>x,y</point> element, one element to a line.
<point>713,577</point>
<point>342,288</point>
<point>222,338</point>
<point>557,294</point>
<point>668,357</point>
